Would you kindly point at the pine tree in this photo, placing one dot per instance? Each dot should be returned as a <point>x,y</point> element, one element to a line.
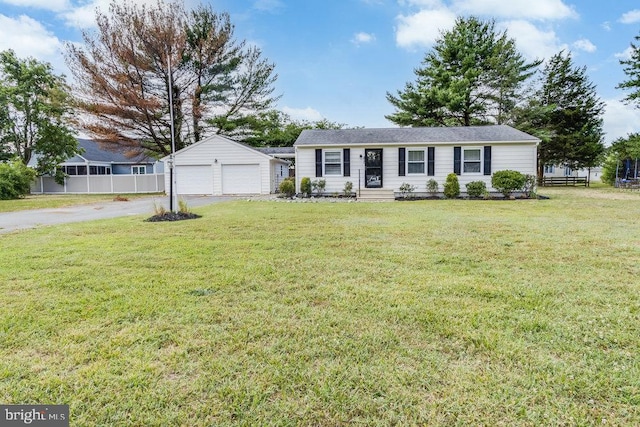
<point>632,70</point>
<point>566,113</point>
<point>472,76</point>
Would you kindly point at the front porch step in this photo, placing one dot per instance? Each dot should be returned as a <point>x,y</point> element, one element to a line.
<point>376,195</point>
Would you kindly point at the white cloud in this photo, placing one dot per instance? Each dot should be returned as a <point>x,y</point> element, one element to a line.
<point>308,113</point>
<point>268,5</point>
<point>54,5</point>
<point>533,42</point>
<point>620,120</point>
<point>423,28</point>
<point>28,38</point>
<point>606,25</point>
<point>516,9</point>
<point>85,16</point>
<point>625,54</point>
<point>631,17</point>
<point>585,45</point>
<point>363,38</point>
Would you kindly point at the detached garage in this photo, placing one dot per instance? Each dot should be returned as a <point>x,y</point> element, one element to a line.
<point>219,165</point>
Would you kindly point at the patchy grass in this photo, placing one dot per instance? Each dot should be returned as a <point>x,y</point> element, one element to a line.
<point>48,201</point>
<point>267,313</point>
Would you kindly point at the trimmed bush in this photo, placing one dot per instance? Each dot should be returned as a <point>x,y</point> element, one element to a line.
<point>319,186</point>
<point>348,187</point>
<point>508,181</point>
<point>305,185</point>
<point>287,187</point>
<point>407,189</point>
<point>15,180</point>
<point>432,187</point>
<point>476,189</point>
<point>451,186</point>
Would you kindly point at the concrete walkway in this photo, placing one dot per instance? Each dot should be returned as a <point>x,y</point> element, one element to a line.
<point>21,220</point>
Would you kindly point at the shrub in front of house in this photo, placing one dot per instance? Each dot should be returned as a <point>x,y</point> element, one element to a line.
<point>407,190</point>
<point>476,189</point>
<point>451,186</point>
<point>319,185</point>
<point>287,187</point>
<point>348,188</point>
<point>508,181</point>
<point>305,185</point>
<point>529,187</point>
<point>15,180</point>
<point>432,187</point>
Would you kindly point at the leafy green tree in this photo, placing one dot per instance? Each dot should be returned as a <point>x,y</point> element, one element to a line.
<point>274,128</point>
<point>35,113</point>
<point>622,152</point>
<point>472,76</point>
<point>123,76</point>
<point>566,114</point>
<point>632,70</point>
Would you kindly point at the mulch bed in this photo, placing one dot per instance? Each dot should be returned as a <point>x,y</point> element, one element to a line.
<point>173,216</point>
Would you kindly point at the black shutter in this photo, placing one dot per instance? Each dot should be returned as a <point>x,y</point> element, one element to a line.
<point>346,162</point>
<point>318,162</point>
<point>487,160</point>
<point>431,161</point>
<point>401,161</point>
<point>457,155</point>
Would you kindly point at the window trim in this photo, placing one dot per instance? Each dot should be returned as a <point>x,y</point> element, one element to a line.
<point>337,162</point>
<point>423,162</point>
<point>479,161</point>
<point>139,168</point>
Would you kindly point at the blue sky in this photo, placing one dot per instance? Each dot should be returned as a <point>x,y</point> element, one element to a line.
<point>336,59</point>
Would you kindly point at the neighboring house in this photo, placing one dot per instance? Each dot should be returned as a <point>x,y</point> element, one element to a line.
<point>98,170</point>
<point>386,158</point>
<point>218,165</point>
<point>558,171</point>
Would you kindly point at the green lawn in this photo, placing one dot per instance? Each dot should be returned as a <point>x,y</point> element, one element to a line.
<point>49,201</point>
<point>331,314</point>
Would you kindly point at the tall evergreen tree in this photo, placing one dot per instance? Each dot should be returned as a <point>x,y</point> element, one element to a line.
<point>471,76</point>
<point>566,114</point>
<point>632,70</point>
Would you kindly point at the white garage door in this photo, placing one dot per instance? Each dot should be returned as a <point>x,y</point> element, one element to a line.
<point>194,179</point>
<point>241,179</point>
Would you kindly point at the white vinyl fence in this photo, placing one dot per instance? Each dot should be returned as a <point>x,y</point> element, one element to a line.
<point>100,184</point>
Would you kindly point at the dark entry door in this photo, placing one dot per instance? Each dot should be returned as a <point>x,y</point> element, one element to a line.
<point>373,168</point>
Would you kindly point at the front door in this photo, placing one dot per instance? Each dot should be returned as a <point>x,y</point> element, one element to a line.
<point>373,168</point>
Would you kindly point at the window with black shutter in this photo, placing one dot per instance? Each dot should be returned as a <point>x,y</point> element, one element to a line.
<point>487,160</point>
<point>431,161</point>
<point>346,162</point>
<point>318,162</point>
<point>457,154</point>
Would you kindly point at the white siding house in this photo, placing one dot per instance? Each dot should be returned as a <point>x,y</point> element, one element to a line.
<point>218,165</point>
<point>387,158</point>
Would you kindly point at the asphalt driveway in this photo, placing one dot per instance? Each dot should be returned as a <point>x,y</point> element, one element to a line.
<point>21,220</point>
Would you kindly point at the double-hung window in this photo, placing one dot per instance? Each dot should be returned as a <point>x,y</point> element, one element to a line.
<point>332,163</point>
<point>549,169</point>
<point>138,170</point>
<point>472,160</point>
<point>415,161</point>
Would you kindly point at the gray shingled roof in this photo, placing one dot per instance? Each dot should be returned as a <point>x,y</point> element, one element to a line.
<point>276,150</point>
<point>93,152</point>
<point>497,133</point>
